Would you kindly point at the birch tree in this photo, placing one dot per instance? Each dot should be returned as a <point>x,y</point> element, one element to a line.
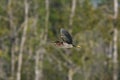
<point>46,19</point>
<point>39,64</point>
<point>115,53</point>
<point>12,28</point>
<point>72,12</point>
<point>40,52</point>
<point>12,35</point>
<point>22,42</point>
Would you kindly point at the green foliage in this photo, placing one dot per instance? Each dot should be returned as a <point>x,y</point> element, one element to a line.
<point>92,29</point>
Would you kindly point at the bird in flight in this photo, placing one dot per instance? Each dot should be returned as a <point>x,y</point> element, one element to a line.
<point>67,41</point>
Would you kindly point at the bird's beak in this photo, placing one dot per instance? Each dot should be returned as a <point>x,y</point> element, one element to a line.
<point>78,46</point>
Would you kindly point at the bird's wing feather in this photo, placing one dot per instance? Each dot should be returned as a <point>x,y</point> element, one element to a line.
<point>66,37</point>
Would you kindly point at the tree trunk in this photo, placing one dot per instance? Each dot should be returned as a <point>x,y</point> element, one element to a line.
<point>72,12</point>
<point>12,38</point>
<point>46,19</point>
<point>115,56</point>
<point>39,64</point>
<point>22,42</point>
<point>115,53</point>
<point>70,74</point>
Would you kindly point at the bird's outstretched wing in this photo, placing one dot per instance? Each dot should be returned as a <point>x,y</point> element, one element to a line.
<point>66,37</point>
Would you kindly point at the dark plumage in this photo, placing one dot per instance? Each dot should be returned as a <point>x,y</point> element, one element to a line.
<point>66,37</point>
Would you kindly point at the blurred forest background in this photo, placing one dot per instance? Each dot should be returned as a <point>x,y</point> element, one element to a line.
<point>27,28</point>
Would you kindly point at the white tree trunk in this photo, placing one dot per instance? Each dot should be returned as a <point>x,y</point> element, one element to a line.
<point>72,12</point>
<point>22,42</point>
<point>46,19</point>
<point>115,53</point>
<point>115,9</point>
<point>37,71</point>
<point>70,74</point>
<point>39,64</point>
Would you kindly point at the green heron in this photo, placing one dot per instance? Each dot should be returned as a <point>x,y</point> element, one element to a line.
<point>67,41</point>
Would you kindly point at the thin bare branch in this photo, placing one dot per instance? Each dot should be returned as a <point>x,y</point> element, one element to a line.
<point>4,18</point>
